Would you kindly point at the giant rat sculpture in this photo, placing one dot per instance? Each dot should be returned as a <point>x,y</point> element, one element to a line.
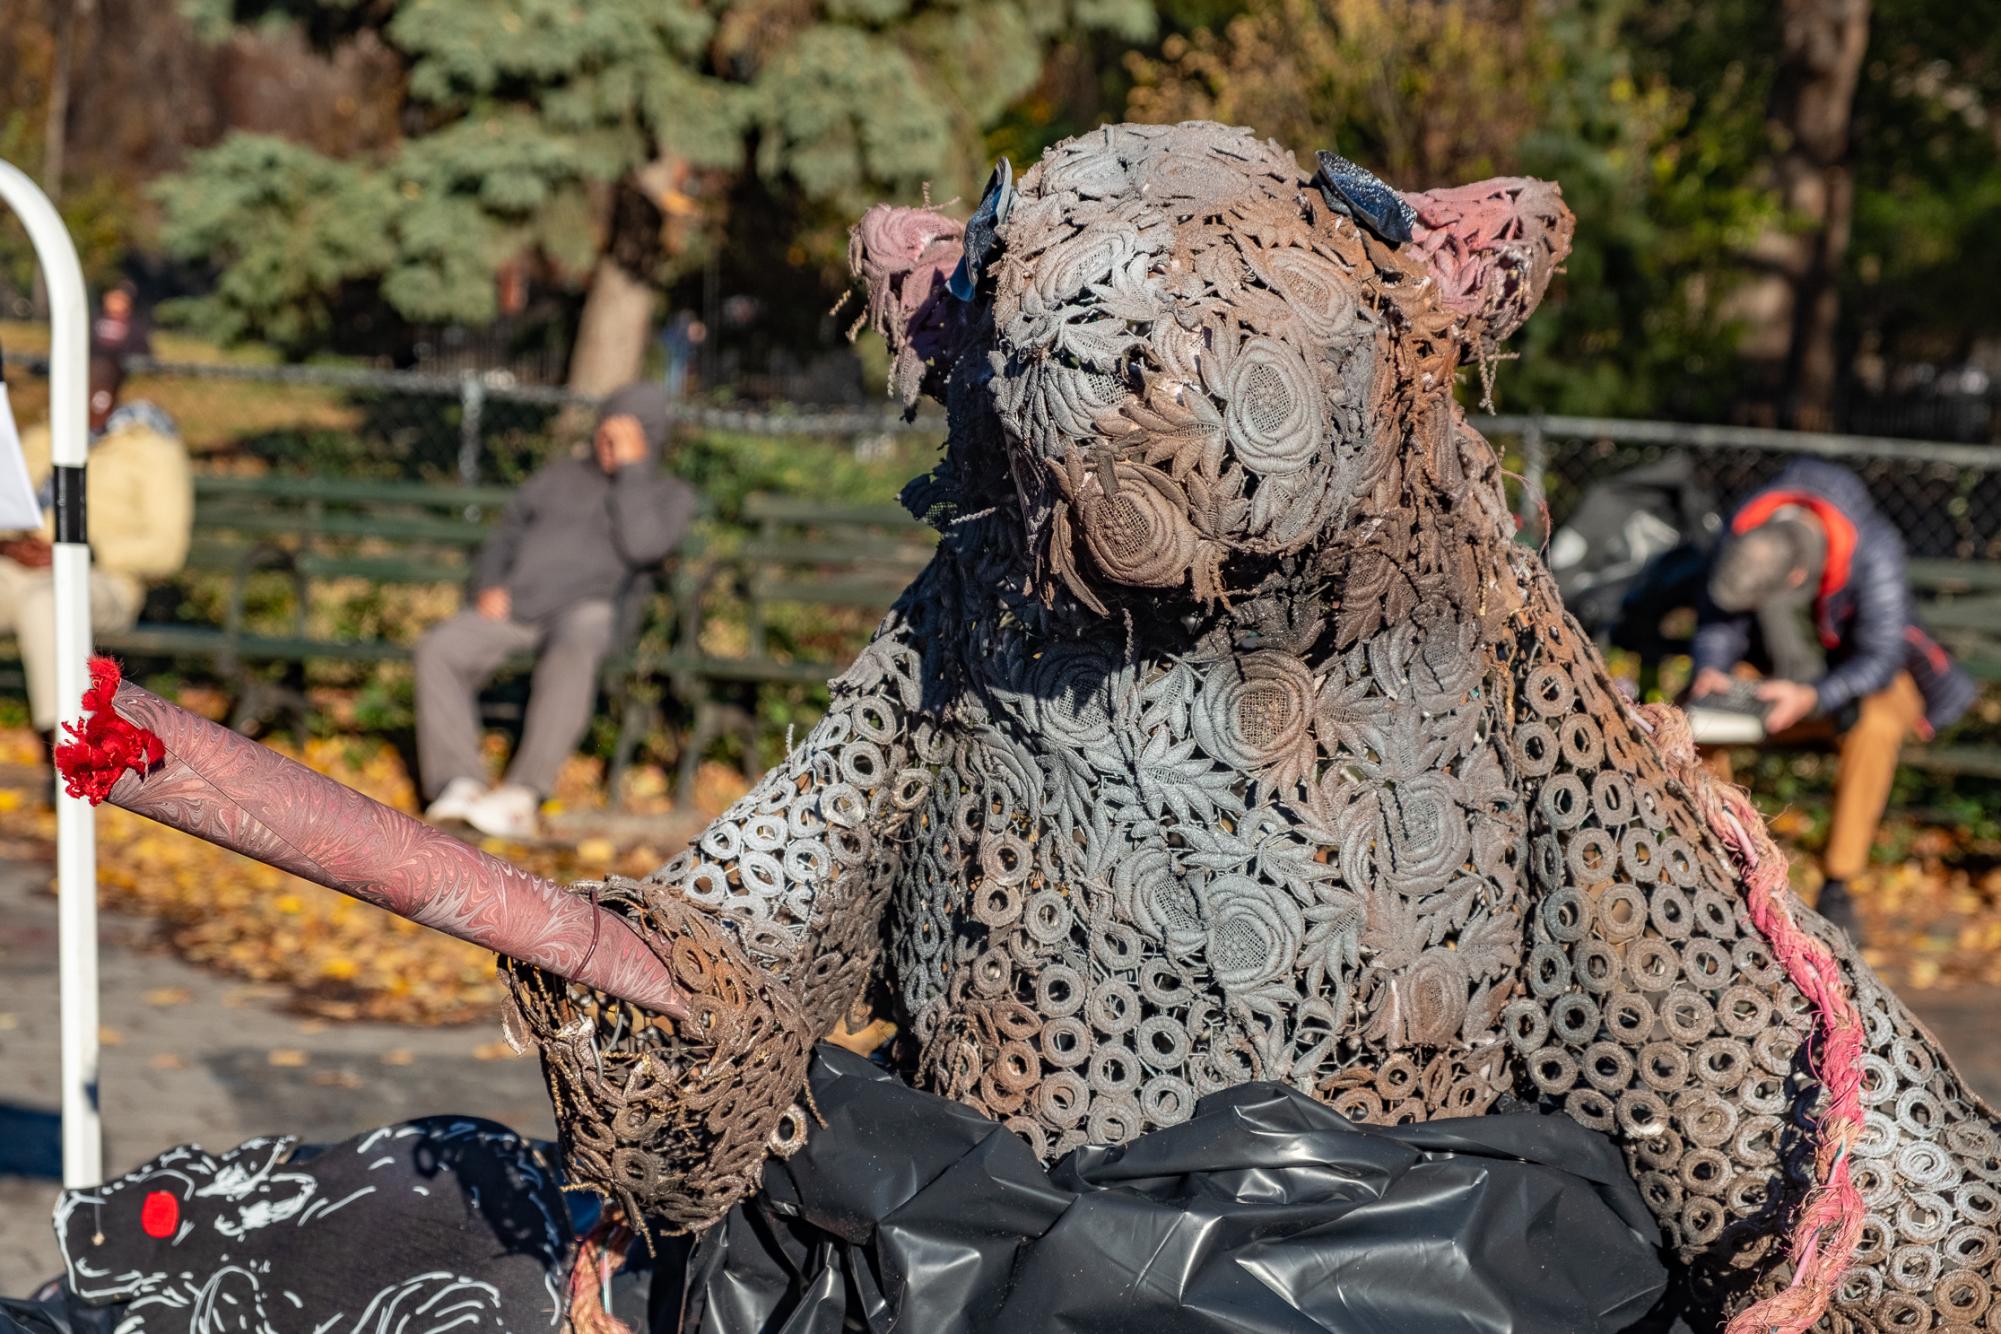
<point>1231,735</point>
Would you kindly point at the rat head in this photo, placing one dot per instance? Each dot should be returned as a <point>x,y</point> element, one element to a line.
<point>175,1215</point>
<point>1191,358</point>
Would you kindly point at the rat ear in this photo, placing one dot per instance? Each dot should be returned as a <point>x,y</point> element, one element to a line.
<point>1493,247</point>
<point>245,1166</point>
<point>905,257</point>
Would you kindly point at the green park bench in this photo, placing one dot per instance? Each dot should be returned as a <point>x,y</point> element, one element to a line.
<point>1960,603</point>
<point>306,532</point>
<point>781,597</point>
<point>844,563</point>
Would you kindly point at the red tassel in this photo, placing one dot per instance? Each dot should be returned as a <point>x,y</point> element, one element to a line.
<point>104,746</point>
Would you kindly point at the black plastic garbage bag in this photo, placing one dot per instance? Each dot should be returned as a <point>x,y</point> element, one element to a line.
<point>58,1311</point>
<point>1267,1213</point>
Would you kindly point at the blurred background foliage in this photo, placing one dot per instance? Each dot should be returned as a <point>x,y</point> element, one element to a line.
<point>1789,213</point>
<point>353,176</point>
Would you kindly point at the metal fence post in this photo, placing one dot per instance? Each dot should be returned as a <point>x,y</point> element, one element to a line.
<point>1535,461</point>
<point>472,406</point>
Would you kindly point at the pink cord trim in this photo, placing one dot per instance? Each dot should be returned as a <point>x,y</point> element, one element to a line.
<point>1829,1225</point>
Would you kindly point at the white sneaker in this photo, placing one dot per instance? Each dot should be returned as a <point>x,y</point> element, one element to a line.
<point>456,801</point>
<point>509,811</point>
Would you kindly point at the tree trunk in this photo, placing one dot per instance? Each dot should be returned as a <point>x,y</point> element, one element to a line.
<point>610,350</point>
<point>1822,50</point>
<point>617,321</point>
<point>69,18</point>
<point>1794,310</point>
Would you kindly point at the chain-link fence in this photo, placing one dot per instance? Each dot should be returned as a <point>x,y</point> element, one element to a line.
<point>472,427</point>
<point>1946,498</point>
<point>476,427</point>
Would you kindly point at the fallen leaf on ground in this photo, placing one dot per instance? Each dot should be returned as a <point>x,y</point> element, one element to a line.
<point>163,996</point>
<point>287,1057</point>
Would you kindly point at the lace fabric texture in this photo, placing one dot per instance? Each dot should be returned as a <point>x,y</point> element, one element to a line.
<point>672,1123</point>
<point>1231,736</point>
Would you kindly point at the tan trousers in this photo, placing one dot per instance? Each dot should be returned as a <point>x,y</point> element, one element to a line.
<point>456,657</point>
<point>28,612</point>
<point>1862,775</point>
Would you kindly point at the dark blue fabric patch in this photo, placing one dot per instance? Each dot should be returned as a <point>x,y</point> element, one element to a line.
<point>1362,195</point>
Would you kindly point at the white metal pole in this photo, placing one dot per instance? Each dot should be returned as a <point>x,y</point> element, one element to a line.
<point>76,834</point>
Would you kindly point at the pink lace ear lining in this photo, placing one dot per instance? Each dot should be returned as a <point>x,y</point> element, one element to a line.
<point>1829,1225</point>
<point>904,256</point>
<point>1474,236</point>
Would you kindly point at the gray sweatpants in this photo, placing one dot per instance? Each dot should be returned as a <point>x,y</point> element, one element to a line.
<point>457,657</point>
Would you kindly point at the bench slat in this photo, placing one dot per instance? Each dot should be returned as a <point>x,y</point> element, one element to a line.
<point>864,593</point>
<point>329,489</point>
<point>1950,575</point>
<point>763,506</point>
<point>749,671</point>
<point>1977,614</point>
<point>388,528</point>
<point>841,551</point>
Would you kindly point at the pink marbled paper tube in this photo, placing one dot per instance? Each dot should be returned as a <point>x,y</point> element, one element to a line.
<point>224,787</point>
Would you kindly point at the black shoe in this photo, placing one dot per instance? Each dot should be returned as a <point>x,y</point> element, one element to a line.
<point>1838,909</point>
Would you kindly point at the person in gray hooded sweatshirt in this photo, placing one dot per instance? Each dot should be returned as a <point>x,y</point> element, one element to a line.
<point>548,579</point>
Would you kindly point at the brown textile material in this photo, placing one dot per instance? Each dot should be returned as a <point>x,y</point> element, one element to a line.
<point>1232,736</point>
<point>1862,779</point>
<point>672,1122</point>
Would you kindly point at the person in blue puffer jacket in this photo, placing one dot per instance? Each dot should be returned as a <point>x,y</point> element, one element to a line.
<point>1813,541</point>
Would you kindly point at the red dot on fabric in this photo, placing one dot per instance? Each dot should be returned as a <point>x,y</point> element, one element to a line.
<point>160,1214</point>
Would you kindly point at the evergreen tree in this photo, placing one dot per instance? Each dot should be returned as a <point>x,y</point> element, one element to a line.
<point>1440,92</point>
<point>606,139</point>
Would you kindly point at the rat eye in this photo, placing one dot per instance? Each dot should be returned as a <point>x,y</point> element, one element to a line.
<point>160,1214</point>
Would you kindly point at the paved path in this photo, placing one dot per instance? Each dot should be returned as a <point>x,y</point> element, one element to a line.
<point>193,1061</point>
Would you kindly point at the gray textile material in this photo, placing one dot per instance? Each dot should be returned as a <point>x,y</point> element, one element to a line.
<point>574,534</point>
<point>1785,623</point>
<point>459,656</point>
<point>645,403</point>
<point>1753,568</point>
<point>1232,735</point>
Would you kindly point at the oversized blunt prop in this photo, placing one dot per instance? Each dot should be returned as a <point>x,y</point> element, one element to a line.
<point>137,751</point>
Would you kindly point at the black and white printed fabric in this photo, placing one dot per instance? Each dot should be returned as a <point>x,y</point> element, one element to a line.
<point>445,1223</point>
